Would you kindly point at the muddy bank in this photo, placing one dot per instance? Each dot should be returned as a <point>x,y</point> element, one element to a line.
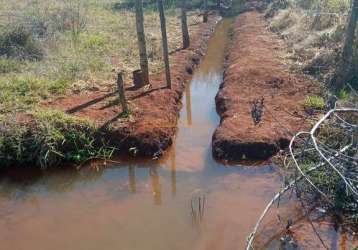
<point>154,111</point>
<point>256,73</point>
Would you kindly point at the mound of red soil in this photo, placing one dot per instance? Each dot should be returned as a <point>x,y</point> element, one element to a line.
<point>256,72</point>
<point>154,111</point>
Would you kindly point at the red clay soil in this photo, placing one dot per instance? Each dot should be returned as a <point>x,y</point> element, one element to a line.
<point>154,111</point>
<point>255,69</point>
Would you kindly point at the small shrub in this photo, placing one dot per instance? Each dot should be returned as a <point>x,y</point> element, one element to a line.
<point>59,86</point>
<point>283,20</point>
<point>314,102</point>
<point>96,65</point>
<point>17,42</point>
<point>275,6</point>
<point>20,92</point>
<point>94,43</point>
<point>8,65</point>
<point>71,69</point>
<point>68,19</point>
<point>29,85</point>
<point>344,95</point>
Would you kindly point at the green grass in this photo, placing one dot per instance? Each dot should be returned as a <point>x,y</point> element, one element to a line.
<point>314,102</point>
<point>20,92</point>
<point>52,138</point>
<point>8,65</point>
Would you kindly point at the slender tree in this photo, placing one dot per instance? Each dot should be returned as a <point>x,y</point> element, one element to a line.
<point>165,42</point>
<point>184,25</point>
<point>141,40</point>
<point>345,67</point>
<point>206,13</point>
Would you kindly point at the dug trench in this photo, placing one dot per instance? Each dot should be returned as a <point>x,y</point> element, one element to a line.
<point>154,110</point>
<point>255,70</point>
<point>260,102</point>
<point>144,204</point>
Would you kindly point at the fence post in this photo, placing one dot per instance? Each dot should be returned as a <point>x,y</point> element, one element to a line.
<point>122,96</point>
<point>184,25</point>
<point>165,43</point>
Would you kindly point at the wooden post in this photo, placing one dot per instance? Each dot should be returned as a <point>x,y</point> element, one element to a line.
<point>121,94</point>
<point>165,43</point>
<point>206,13</point>
<point>141,40</point>
<point>184,25</point>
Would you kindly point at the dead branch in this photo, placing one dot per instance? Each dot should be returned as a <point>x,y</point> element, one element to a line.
<point>332,159</point>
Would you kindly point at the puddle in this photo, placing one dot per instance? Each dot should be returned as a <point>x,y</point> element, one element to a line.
<point>140,205</point>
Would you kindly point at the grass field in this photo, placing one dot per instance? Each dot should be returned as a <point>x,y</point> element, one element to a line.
<point>50,47</point>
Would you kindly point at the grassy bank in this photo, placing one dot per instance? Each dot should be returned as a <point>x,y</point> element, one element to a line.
<point>47,139</point>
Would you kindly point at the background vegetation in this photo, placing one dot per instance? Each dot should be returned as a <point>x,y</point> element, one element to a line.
<point>52,47</point>
<point>314,31</point>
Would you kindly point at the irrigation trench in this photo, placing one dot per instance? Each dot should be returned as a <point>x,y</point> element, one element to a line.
<point>186,200</point>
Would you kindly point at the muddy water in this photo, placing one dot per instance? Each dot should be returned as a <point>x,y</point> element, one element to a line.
<point>184,201</point>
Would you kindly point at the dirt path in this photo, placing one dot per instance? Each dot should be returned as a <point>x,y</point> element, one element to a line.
<point>256,70</point>
<point>154,111</point>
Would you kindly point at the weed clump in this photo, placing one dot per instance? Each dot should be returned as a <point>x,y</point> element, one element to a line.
<point>8,65</point>
<point>314,102</point>
<point>49,139</point>
<point>17,42</point>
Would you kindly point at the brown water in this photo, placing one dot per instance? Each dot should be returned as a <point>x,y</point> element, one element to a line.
<point>139,205</point>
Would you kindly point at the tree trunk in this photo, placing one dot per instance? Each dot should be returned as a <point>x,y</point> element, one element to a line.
<point>345,67</point>
<point>206,13</point>
<point>184,26</point>
<point>165,42</point>
<point>141,40</point>
<point>218,4</point>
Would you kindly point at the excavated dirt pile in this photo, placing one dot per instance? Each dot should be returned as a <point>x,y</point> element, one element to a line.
<point>260,103</point>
